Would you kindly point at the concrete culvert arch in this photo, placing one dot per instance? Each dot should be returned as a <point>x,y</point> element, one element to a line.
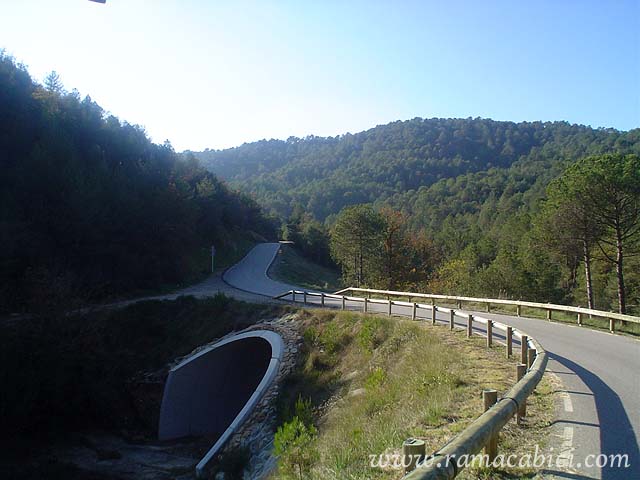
<point>212,392</point>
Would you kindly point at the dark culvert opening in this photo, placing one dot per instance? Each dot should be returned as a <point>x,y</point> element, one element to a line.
<point>205,394</point>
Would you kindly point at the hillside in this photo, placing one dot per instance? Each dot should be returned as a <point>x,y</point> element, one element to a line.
<point>90,208</point>
<point>323,175</point>
<point>469,191</point>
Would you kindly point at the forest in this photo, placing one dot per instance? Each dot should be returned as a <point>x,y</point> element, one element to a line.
<point>400,161</point>
<point>91,209</point>
<point>463,199</point>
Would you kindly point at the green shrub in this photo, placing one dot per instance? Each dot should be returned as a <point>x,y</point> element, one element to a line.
<point>333,338</point>
<point>293,445</point>
<point>304,410</point>
<point>311,336</point>
<point>376,378</point>
<point>373,333</point>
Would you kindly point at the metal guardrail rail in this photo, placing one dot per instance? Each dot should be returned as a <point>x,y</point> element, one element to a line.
<point>548,307</point>
<point>482,432</point>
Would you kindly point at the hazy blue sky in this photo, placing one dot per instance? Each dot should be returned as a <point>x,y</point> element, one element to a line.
<point>218,73</point>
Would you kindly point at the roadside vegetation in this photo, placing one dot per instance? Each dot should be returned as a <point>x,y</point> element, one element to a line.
<point>366,383</point>
<point>293,268</point>
<point>587,228</point>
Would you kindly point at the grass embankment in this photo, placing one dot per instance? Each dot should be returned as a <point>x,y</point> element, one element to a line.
<point>373,382</point>
<point>88,372</point>
<point>291,267</point>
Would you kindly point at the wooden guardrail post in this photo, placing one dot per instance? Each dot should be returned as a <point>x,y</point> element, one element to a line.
<point>390,303</point>
<point>490,397</point>
<point>579,319</point>
<point>413,311</point>
<point>304,297</point>
<point>518,310</point>
<point>524,340</point>
<point>459,305</point>
<point>489,333</point>
<point>293,296</point>
<point>509,341</point>
<point>469,326</point>
<point>366,301</point>
<point>452,315</point>
<point>549,314</point>
<point>322,299</point>
<point>521,370</point>
<point>531,356</point>
<point>488,307</point>
<point>344,302</point>
<point>433,314</point>
<point>612,325</point>
<point>413,449</point>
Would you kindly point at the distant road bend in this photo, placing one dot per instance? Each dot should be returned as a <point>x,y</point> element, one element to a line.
<point>600,373</point>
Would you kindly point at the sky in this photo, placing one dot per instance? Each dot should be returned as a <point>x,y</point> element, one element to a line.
<point>216,74</point>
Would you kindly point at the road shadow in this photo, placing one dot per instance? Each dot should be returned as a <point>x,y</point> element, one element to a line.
<point>616,431</point>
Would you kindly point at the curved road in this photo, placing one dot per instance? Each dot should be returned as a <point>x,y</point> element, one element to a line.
<point>251,273</point>
<point>600,373</point>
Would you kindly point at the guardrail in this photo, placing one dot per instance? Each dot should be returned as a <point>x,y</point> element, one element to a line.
<point>484,431</point>
<point>548,307</point>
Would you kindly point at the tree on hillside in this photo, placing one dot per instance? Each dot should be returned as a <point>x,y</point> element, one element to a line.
<point>566,226</point>
<point>309,236</point>
<point>614,198</point>
<point>53,83</point>
<point>599,199</point>
<point>397,254</point>
<point>356,243</point>
<point>377,248</point>
<point>316,242</point>
<point>453,277</point>
<point>423,258</point>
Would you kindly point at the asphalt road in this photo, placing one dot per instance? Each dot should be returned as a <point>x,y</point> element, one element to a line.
<point>599,411</point>
<point>251,273</point>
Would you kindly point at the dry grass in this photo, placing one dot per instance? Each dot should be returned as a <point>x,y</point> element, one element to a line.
<point>376,381</point>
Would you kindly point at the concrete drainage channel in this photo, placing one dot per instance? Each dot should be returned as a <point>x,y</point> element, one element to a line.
<point>212,392</point>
